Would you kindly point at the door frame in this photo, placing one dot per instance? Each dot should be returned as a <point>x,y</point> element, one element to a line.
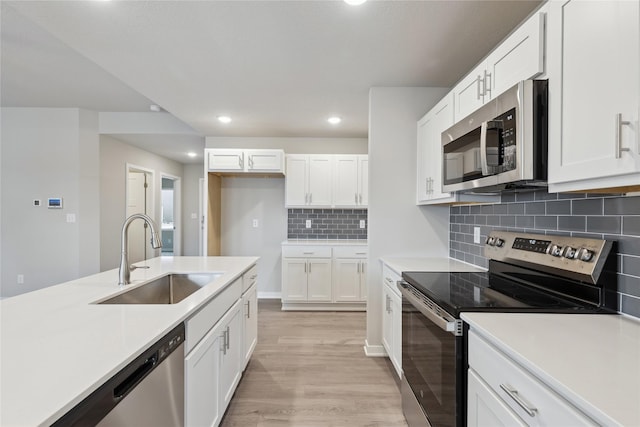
<point>177,212</point>
<point>150,201</point>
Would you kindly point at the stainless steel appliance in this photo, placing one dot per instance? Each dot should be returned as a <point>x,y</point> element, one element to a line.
<point>147,392</point>
<point>527,273</point>
<point>502,145</point>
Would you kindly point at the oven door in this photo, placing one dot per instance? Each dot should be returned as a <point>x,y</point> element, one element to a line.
<point>433,364</point>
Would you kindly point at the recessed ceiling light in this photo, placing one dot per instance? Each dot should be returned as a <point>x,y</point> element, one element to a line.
<point>354,2</point>
<point>192,154</point>
<point>224,119</point>
<point>155,108</point>
<point>334,120</point>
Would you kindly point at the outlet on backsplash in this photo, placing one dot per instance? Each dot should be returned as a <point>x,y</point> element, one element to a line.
<point>307,223</point>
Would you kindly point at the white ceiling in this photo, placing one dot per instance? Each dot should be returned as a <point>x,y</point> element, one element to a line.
<point>279,68</point>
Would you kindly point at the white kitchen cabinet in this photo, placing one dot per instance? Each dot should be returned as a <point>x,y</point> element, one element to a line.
<point>232,161</point>
<point>350,274</point>
<point>519,57</point>
<point>350,181</point>
<point>392,318</point>
<point>510,384</point>
<point>306,274</point>
<point>231,357</point>
<point>594,95</point>
<point>250,314</point>
<point>308,181</point>
<point>485,408</point>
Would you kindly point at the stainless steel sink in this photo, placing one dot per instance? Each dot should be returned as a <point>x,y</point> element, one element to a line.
<point>168,289</point>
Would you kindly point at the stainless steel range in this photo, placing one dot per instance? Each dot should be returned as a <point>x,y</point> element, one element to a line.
<point>527,273</point>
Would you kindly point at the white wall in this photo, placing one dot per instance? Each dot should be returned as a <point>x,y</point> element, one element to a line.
<point>190,205</point>
<point>245,199</point>
<point>48,152</point>
<point>397,227</point>
<point>114,156</point>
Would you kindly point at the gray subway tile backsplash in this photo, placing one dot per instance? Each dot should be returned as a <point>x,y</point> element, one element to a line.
<point>334,224</point>
<point>577,214</point>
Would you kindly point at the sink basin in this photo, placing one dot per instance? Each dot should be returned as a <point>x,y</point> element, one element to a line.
<point>168,289</point>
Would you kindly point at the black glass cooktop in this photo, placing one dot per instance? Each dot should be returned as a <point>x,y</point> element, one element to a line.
<point>456,292</point>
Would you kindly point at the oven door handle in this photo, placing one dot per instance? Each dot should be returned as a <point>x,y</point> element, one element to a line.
<point>453,326</point>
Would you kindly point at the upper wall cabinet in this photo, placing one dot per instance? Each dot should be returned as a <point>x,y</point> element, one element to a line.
<point>351,180</point>
<point>519,57</point>
<point>594,92</point>
<point>232,161</point>
<point>325,180</point>
<point>429,156</point>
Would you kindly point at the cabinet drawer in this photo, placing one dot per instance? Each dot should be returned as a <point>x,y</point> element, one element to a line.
<point>513,383</point>
<point>390,279</point>
<point>350,251</point>
<point>306,251</point>
<point>199,324</point>
<point>249,278</point>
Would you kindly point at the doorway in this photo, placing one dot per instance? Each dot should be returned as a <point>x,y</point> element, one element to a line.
<point>139,194</point>
<point>170,226</point>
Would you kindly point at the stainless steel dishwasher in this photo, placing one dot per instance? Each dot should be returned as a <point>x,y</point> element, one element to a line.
<point>147,392</point>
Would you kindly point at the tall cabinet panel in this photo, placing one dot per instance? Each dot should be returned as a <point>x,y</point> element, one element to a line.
<point>594,74</point>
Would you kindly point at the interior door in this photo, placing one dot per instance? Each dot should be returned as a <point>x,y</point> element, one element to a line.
<point>137,203</point>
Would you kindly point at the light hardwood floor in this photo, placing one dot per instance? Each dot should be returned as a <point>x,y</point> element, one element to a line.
<point>309,369</point>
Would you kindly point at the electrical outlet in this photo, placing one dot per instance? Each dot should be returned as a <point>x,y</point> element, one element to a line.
<point>307,224</point>
<point>362,223</point>
<point>20,279</point>
<point>255,223</point>
<point>71,217</point>
<point>476,234</point>
<point>194,216</point>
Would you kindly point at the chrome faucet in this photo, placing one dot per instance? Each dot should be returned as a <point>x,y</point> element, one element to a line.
<point>125,269</point>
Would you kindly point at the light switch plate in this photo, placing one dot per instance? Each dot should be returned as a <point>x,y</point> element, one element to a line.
<point>307,224</point>
<point>362,223</point>
<point>476,234</point>
<point>255,223</point>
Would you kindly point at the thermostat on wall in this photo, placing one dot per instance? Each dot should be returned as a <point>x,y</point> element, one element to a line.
<point>54,202</point>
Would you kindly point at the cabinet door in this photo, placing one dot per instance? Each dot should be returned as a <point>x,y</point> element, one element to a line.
<point>264,160</point>
<point>594,56</point>
<point>232,355</point>
<point>469,93</point>
<point>202,372</point>
<point>363,280</point>
<point>250,323</point>
<point>423,176</point>
<point>519,57</point>
<point>294,279</point>
<point>345,181</point>
<point>485,408</point>
<point>346,279</point>
<point>319,280</point>
<point>363,181</point>
<point>226,160</point>
<point>387,321</point>
<point>296,181</point>
<point>320,171</point>
<point>396,343</point>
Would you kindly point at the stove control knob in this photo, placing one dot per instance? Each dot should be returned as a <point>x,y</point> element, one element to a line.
<point>569,252</point>
<point>554,250</point>
<point>584,254</point>
<point>491,241</point>
<point>499,242</point>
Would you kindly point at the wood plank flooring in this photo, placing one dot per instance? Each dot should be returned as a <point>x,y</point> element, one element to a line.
<point>309,370</point>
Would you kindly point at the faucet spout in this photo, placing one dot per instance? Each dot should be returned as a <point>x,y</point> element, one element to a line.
<point>124,273</point>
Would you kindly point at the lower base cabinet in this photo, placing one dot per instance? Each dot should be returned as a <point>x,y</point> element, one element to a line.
<point>485,408</point>
<point>392,318</point>
<point>250,320</point>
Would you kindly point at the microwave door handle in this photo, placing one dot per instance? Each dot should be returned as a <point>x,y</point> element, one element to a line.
<point>483,149</point>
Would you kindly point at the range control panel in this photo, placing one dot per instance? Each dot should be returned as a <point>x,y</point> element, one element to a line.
<point>581,257</point>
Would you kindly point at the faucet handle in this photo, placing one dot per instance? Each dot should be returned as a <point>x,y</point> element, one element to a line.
<point>133,267</point>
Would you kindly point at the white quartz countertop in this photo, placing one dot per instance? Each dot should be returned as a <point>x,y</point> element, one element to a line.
<point>323,242</point>
<point>399,265</point>
<point>58,347</point>
<point>593,361</point>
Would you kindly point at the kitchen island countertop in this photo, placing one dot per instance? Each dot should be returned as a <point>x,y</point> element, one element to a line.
<point>58,347</point>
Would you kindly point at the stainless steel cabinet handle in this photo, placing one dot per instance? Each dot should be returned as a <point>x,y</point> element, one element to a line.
<point>240,161</point>
<point>513,393</point>
<point>310,198</point>
<point>358,267</point>
<point>356,196</point>
<point>253,277</point>
<point>250,162</point>
<point>228,330</point>
<point>388,280</point>
<point>478,80</point>
<point>388,302</point>
<point>305,267</point>
<point>248,309</point>
<point>361,253</point>
<point>487,82</point>
<point>308,253</point>
<point>619,124</point>
<point>360,198</point>
<point>223,342</point>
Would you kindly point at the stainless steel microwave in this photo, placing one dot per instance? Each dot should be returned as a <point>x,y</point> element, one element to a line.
<point>502,145</point>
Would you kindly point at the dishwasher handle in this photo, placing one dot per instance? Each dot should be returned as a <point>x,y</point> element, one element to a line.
<point>122,389</point>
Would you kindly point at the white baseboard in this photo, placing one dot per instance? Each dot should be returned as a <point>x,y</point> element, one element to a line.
<point>269,295</point>
<point>374,350</point>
